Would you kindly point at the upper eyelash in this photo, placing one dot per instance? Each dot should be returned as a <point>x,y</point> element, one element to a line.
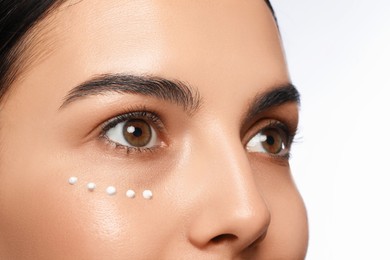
<point>150,116</point>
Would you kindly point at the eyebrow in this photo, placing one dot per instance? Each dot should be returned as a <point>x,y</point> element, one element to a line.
<point>286,93</point>
<point>174,91</point>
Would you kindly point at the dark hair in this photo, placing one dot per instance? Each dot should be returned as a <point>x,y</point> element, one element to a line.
<point>272,10</point>
<point>16,19</point>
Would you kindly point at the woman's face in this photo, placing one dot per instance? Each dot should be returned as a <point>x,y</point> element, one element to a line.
<point>188,99</point>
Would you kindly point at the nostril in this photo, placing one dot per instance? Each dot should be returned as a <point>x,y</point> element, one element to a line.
<point>258,240</point>
<point>223,238</point>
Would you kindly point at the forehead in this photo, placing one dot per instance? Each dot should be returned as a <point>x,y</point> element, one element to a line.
<point>205,43</point>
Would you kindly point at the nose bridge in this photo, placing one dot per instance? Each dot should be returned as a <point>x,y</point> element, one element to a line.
<point>228,167</point>
<point>230,204</point>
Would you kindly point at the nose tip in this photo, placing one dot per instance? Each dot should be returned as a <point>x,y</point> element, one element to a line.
<point>251,225</point>
<point>235,225</point>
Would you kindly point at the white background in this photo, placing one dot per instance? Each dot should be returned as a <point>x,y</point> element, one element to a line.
<point>339,58</point>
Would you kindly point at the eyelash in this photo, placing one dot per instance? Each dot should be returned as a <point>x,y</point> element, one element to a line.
<point>150,117</point>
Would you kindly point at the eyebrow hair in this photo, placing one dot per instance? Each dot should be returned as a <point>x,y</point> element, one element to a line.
<point>174,91</point>
<point>275,97</point>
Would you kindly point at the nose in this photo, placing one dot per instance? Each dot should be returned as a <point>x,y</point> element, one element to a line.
<point>230,212</point>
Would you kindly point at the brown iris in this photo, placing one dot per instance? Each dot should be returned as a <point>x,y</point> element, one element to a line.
<point>137,132</point>
<point>273,142</point>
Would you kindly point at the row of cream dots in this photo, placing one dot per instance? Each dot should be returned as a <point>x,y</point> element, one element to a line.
<point>111,190</point>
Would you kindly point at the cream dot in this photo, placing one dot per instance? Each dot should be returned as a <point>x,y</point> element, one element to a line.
<point>111,190</point>
<point>130,194</point>
<point>91,186</point>
<point>72,180</point>
<point>147,194</point>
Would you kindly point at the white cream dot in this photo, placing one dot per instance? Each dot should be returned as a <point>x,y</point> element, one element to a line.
<point>91,186</point>
<point>147,194</point>
<point>130,194</point>
<point>111,190</point>
<point>72,180</point>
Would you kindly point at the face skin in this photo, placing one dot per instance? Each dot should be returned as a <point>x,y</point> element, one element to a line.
<point>212,198</point>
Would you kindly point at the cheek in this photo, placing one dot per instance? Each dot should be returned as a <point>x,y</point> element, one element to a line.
<point>36,214</point>
<point>43,216</point>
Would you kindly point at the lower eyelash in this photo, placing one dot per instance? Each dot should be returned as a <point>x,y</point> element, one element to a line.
<point>127,150</point>
<point>284,157</point>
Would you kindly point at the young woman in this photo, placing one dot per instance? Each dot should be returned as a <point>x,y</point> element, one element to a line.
<point>146,130</point>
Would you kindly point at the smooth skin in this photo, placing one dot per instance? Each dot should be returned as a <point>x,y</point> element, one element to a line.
<point>212,199</point>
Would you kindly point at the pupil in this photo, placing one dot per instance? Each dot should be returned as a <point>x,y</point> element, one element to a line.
<point>270,140</point>
<point>137,132</point>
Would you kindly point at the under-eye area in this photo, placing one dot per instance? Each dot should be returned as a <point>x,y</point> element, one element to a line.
<point>110,190</point>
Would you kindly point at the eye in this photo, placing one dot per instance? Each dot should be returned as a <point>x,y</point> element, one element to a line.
<point>132,130</point>
<point>272,140</point>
